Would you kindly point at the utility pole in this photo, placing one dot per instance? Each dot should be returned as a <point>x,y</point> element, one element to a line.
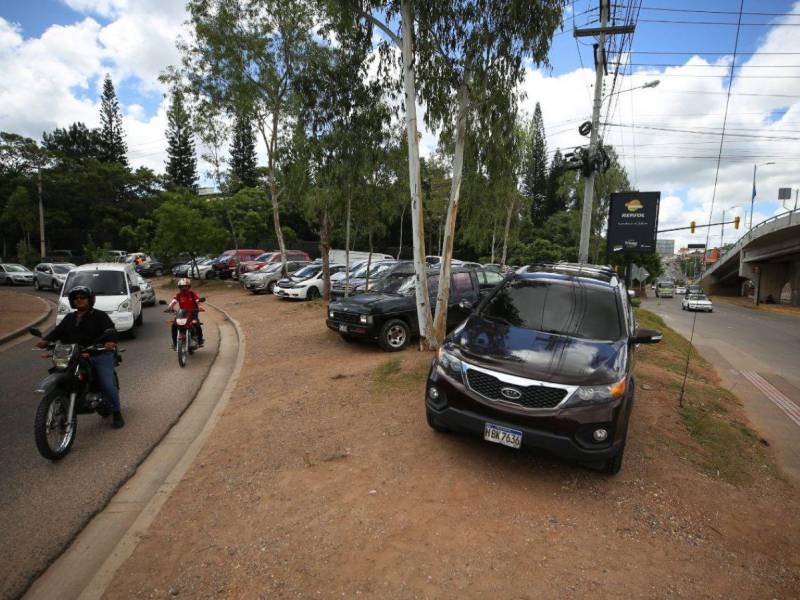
<point>599,70</point>
<point>41,213</point>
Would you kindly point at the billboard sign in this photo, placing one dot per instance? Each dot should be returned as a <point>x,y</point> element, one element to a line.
<point>633,222</point>
<point>784,193</point>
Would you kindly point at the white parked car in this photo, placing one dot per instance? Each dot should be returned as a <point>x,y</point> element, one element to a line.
<point>148,293</point>
<point>305,284</point>
<point>116,290</point>
<point>203,270</point>
<point>697,302</point>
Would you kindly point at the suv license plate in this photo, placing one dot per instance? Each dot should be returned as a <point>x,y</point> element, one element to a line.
<point>502,435</point>
<point>343,328</point>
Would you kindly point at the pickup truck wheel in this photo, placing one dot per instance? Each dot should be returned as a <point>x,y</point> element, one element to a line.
<point>394,335</point>
<point>433,424</point>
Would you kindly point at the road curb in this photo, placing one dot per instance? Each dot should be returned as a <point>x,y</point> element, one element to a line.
<point>23,330</point>
<point>149,488</point>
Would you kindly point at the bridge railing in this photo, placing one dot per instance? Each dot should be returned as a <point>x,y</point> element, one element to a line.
<point>747,237</point>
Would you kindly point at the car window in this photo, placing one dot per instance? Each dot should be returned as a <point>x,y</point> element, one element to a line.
<point>461,283</point>
<point>62,269</point>
<point>102,283</point>
<point>309,271</point>
<point>555,307</point>
<point>15,269</point>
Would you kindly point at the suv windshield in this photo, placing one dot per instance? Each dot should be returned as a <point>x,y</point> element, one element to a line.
<point>62,268</point>
<point>308,271</point>
<point>554,307</point>
<point>102,283</point>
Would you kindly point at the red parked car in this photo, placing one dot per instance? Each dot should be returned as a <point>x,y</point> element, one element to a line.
<point>272,257</point>
<point>225,265</point>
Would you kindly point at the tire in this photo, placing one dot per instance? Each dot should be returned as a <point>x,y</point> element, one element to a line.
<point>159,272</point>
<point>394,335</point>
<point>51,415</point>
<point>271,287</point>
<point>312,293</point>
<point>139,320</point>
<point>433,424</point>
<point>36,285</point>
<point>131,333</point>
<point>613,465</point>
<point>183,352</point>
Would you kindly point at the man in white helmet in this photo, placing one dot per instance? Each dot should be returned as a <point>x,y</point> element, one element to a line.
<point>189,301</point>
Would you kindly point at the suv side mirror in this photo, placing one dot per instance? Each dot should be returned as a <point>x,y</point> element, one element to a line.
<point>647,336</point>
<point>135,288</point>
<point>465,304</point>
<point>631,294</point>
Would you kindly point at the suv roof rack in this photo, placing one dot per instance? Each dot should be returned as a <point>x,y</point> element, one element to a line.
<point>604,272</point>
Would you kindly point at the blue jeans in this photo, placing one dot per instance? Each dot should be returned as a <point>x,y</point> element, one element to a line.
<point>103,365</point>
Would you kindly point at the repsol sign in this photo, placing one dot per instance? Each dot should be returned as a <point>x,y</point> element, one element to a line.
<point>633,222</point>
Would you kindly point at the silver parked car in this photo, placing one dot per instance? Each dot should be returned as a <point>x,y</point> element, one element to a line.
<point>51,276</point>
<point>265,278</point>
<point>148,293</point>
<point>14,274</point>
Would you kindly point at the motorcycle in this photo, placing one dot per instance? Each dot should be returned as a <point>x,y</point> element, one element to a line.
<point>70,389</point>
<point>186,342</point>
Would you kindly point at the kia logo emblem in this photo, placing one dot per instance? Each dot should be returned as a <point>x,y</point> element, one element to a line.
<point>511,393</point>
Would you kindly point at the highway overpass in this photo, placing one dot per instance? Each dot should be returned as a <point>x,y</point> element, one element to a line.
<point>767,257</point>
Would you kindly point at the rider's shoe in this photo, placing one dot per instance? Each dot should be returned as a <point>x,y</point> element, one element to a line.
<point>201,343</point>
<point>117,421</point>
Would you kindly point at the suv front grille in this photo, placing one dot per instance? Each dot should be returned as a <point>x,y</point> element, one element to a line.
<point>346,317</point>
<point>533,396</point>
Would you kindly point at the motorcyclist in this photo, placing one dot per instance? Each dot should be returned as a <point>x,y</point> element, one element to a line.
<point>189,301</point>
<point>85,327</point>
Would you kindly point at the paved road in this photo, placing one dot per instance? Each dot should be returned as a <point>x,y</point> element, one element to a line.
<point>42,504</point>
<point>758,356</point>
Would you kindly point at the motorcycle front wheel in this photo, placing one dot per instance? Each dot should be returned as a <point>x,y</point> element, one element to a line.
<point>53,433</point>
<point>183,350</point>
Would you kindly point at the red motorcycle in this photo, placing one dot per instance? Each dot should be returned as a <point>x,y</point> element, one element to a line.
<point>186,343</point>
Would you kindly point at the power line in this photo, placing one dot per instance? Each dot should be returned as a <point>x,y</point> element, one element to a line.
<point>666,52</point>
<point>719,12</point>
<point>680,22</point>
<point>638,64</point>
<point>695,132</point>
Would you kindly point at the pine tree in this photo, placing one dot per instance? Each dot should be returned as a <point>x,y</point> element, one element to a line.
<point>243,154</point>
<point>534,170</point>
<point>555,201</point>
<point>181,161</point>
<point>112,137</point>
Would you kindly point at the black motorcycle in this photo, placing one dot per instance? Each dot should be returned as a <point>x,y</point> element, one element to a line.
<point>69,390</point>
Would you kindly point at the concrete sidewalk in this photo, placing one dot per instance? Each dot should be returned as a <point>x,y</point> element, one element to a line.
<point>18,311</point>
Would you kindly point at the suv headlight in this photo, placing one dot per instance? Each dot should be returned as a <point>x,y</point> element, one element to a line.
<point>591,395</point>
<point>365,319</point>
<point>330,314</point>
<point>451,364</point>
<point>124,307</point>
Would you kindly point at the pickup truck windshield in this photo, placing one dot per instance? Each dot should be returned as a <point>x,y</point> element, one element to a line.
<point>555,307</point>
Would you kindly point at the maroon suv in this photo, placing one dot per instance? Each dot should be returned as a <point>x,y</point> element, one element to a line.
<point>267,258</point>
<point>545,361</point>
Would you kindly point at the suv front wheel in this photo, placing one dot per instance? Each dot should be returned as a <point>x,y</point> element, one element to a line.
<point>394,335</point>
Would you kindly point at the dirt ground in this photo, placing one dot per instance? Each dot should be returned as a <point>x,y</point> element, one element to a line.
<point>323,479</point>
<point>18,310</point>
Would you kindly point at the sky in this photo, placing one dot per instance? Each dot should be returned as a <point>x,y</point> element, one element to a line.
<point>54,53</point>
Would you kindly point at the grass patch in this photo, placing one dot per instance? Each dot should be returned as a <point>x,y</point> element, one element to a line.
<point>723,445</point>
<point>385,371</point>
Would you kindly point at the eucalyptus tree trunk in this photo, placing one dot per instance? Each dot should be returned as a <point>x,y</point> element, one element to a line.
<point>369,261</point>
<point>509,214</point>
<point>494,227</point>
<point>400,247</point>
<point>347,246</point>
<point>443,297</point>
<point>424,316</point>
<point>271,142</point>
<point>324,249</point>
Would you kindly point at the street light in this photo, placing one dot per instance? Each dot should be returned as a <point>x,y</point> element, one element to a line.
<point>722,234</point>
<point>649,84</point>
<point>753,197</point>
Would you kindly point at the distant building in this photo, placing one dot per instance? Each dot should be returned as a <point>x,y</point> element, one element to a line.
<point>665,247</point>
<point>207,191</point>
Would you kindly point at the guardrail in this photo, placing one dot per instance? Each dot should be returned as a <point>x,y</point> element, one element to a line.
<point>747,237</point>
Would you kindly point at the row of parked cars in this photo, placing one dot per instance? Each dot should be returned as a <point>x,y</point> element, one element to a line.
<point>539,357</point>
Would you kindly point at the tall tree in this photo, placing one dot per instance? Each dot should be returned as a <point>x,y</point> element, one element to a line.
<point>554,200</point>
<point>113,148</point>
<point>74,143</point>
<point>243,161</point>
<point>181,158</point>
<point>534,171</point>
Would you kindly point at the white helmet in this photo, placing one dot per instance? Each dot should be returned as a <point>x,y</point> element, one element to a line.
<point>184,282</point>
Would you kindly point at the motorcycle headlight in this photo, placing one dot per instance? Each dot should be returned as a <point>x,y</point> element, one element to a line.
<point>124,307</point>
<point>451,364</point>
<point>61,355</point>
<point>591,395</point>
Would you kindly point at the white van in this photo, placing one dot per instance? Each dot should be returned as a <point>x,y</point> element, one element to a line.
<point>115,289</point>
<point>339,257</point>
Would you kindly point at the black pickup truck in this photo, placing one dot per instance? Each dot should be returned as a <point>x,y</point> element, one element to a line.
<point>390,318</point>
